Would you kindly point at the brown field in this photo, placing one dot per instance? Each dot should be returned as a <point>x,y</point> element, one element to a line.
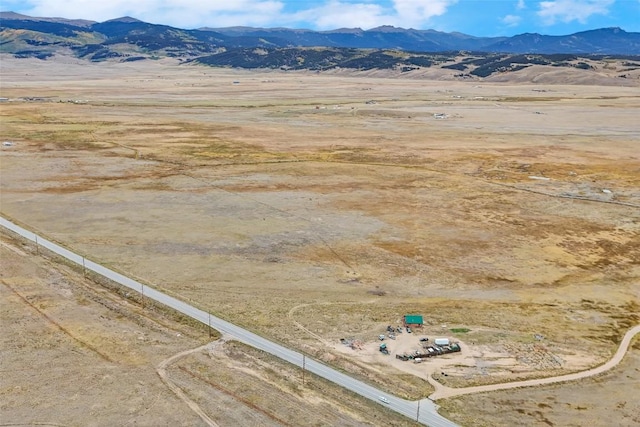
<point>312,207</point>
<point>74,354</point>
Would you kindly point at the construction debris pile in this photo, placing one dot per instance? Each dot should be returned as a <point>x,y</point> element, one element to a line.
<point>430,351</point>
<point>353,343</point>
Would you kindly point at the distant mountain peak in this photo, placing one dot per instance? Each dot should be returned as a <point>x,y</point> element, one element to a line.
<point>125,19</point>
<point>387,29</point>
<point>20,17</point>
<point>13,15</point>
<point>344,31</point>
<point>614,30</point>
<point>111,38</point>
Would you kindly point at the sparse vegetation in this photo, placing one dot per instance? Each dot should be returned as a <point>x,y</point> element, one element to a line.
<point>294,207</point>
<point>129,41</point>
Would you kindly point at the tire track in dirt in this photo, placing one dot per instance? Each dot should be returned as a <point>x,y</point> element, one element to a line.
<point>161,369</point>
<point>444,392</point>
<point>235,396</point>
<point>297,324</point>
<point>247,197</point>
<point>36,423</point>
<point>13,249</point>
<point>182,170</point>
<point>58,325</point>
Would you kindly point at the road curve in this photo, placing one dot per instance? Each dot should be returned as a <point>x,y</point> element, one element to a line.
<point>424,411</point>
<point>614,361</point>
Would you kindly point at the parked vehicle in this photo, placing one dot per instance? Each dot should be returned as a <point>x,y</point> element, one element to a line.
<point>384,349</point>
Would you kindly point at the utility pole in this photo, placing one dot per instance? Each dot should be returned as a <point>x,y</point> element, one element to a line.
<point>304,360</point>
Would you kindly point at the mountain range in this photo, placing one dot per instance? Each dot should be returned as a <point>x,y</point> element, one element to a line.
<point>601,41</point>
<point>129,39</point>
<point>613,41</point>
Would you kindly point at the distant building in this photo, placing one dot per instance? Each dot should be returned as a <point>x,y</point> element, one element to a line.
<point>413,320</point>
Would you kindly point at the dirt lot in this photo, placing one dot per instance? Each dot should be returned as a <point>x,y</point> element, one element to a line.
<point>313,207</point>
<point>580,403</point>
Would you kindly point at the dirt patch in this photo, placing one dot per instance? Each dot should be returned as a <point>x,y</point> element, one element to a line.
<point>602,400</point>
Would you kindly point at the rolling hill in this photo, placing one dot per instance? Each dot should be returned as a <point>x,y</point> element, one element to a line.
<point>383,48</point>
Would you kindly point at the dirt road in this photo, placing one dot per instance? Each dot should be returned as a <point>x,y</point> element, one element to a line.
<point>162,372</point>
<point>443,392</point>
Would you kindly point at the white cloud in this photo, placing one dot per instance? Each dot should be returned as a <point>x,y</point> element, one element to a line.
<point>183,13</point>
<point>337,14</point>
<point>572,10</point>
<point>402,13</point>
<point>329,14</point>
<point>511,20</point>
<point>521,5</point>
<point>414,13</point>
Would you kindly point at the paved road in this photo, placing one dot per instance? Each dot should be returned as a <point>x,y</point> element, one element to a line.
<point>424,411</point>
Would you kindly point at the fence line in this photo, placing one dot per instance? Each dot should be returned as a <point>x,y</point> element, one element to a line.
<point>404,407</point>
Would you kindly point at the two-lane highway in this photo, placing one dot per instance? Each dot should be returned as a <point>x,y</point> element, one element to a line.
<point>424,411</point>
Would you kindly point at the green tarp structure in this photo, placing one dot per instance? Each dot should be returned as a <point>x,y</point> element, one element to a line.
<point>413,319</point>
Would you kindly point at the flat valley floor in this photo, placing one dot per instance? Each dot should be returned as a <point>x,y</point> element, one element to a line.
<point>311,207</point>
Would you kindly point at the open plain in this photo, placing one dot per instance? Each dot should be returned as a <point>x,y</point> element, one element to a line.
<point>311,207</point>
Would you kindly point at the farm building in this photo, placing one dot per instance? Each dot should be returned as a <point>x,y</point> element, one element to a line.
<point>413,320</point>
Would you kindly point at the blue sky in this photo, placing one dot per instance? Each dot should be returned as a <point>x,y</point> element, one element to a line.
<point>475,17</point>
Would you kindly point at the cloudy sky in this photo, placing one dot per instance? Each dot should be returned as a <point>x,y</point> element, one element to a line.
<point>476,17</point>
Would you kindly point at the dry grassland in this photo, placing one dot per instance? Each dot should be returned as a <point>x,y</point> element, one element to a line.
<point>312,207</point>
<point>75,354</point>
<point>72,355</point>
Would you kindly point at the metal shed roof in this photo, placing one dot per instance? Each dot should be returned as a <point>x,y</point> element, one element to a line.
<point>415,319</point>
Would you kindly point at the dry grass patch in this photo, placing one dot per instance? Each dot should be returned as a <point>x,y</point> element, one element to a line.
<point>275,392</point>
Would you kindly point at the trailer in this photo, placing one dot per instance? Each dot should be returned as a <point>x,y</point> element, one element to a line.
<point>441,341</point>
